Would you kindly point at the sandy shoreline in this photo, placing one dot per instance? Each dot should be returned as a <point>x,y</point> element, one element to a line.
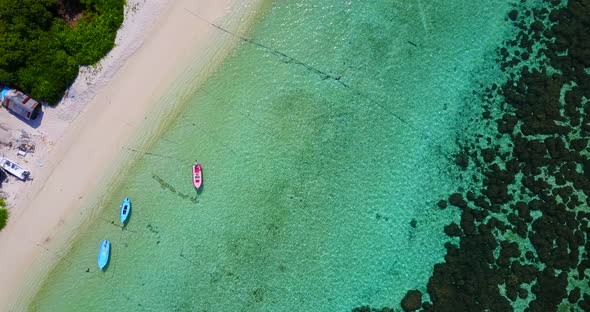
<point>80,144</point>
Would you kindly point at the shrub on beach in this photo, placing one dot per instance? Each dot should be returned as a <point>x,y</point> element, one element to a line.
<point>3,213</point>
<point>44,42</point>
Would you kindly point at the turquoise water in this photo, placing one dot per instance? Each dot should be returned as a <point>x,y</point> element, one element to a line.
<point>311,182</point>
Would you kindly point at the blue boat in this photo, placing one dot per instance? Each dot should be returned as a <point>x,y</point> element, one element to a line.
<point>125,209</point>
<point>103,254</point>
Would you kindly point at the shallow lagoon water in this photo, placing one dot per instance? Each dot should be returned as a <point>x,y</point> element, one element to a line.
<point>319,149</point>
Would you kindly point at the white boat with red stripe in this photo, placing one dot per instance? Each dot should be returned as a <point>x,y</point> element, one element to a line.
<point>197,175</point>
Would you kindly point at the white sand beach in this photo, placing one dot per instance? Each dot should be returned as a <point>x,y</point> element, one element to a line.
<point>81,142</point>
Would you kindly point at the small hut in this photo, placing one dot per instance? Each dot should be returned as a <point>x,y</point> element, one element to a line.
<point>20,103</point>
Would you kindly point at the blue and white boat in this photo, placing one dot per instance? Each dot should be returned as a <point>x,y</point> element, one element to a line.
<point>103,254</point>
<point>125,209</point>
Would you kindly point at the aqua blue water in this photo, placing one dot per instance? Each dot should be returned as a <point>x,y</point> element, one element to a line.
<point>316,157</point>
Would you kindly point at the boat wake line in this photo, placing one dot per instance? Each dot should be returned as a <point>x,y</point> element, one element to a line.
<point>287,59</point>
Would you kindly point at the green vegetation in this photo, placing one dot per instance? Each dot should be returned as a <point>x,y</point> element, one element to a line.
<point>42,42</point>
<point>3,213</point>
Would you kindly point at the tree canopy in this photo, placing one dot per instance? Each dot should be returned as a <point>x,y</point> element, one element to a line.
<point>3,213</point>
<point>42,42</point>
